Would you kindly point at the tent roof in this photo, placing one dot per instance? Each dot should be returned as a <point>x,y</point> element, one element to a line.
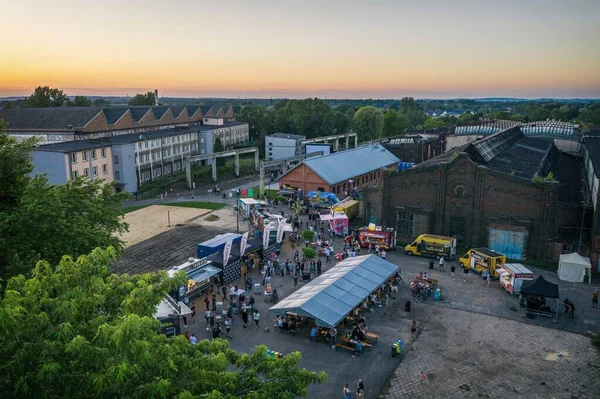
<point>540,287</point>
<point>331,296</point>
<point>576,259</point>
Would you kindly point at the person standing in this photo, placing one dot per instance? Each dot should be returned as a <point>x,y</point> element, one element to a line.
<point>413,330</point>
<point>572,309</point>
<point>207,301</point>
<point>327,255</point>
<point>184,321</point>
<point>256,318</point>
<point>193,309</point>
<point>360,386</point>
<point>244,317</point>
<point>207,316</point>
<point>320,268</point>
<point>295,280</point>
<point>187,336</point>
<point>452,271</point>
<point>484,277</point>
<point>488,277</point>
<point>224,291</point>
<point>421,376</point>
<point>383,254</point>
<point>442,267</point>
<point>595,299</point>
<point>228,322</point>
<point>346,392</point>
<point>193,339</point>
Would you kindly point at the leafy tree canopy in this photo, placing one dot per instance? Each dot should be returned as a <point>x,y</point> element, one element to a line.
<point>81,101</point>
<point>143,99</point>
<point>368,123</point>
<point>79,331</point>
<point>44,97</point>
<point>100,102</point>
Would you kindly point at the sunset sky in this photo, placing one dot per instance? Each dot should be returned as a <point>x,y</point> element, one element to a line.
<point>326,48</point>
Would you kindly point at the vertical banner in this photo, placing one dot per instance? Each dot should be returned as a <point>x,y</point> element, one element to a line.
<point>226,252</point>
<point>280,228</point>
<point>266,233</point>
<point>243,244</point>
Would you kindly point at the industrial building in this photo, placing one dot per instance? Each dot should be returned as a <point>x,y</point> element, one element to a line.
<point>342,171</point>
<point>283,145</point>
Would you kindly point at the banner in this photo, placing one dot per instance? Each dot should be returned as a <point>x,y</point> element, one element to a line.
<point>280,229</point>
<point>266,233</point>
<point>243,244</point>
<point>226,252</point>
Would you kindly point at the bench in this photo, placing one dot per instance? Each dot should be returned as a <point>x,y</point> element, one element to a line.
<point>372,336</point>
<point>340,345</point>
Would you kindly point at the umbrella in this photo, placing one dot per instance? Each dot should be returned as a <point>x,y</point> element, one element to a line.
<point>311,194</point>
<point>324,195</point>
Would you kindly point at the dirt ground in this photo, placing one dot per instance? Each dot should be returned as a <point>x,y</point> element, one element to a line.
<point>227,220</point>
<point>147,222</point>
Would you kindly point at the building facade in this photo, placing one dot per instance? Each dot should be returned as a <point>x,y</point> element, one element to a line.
<point>282,145</point>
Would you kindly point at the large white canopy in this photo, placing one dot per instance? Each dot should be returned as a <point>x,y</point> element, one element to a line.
<point>333,295</point>
<point>573,267</point>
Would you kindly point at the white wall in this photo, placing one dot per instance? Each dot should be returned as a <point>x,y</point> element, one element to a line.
<point>279,148</point>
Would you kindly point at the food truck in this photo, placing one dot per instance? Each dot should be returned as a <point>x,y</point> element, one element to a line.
<point>433,246</point>
<point>349,206</point>
<point>480,259</point>
<point>377,235</point>
<point>338,221</point>
<point>512,276</point>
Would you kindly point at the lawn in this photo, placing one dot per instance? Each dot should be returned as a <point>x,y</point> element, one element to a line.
<point>198,205</point>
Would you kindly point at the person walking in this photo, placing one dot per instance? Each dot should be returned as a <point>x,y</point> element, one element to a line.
<point>328,255</point>
<point>346,392</point>
<point>360,385</point>
<point>442,266</point>
<point>413,330</point>
<point>228,322</point>
<point>320,268</point>
<point>295,280</point>
<point>207,301</point>
<point>572,306</point>
<point>452,272</point>
<point>224,291</point>
<point>207,316</point>
<point>484,277</point>
<point>383,254</point>
<point>421,376</point>
<point>256,318</point>
<point>193,309</point>
<point>488,277</point>
<point>244,317</point>
<point>595,299</point>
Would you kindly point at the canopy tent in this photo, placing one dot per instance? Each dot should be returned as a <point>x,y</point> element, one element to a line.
<point>333,295</point>
<point>574,267</point>
<point>540,287</point>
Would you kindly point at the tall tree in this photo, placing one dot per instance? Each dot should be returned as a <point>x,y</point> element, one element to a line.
<point>75,330</point>
<point>44,97</point>
<point>433,123</point>
<point>143,99</point>
<point>14,169</point>
<point>368,123</point>
<point>81,101</point>
<point>407,103</point>
<point>100,102</point>
<point>341,122</point>
<point>219,147</point>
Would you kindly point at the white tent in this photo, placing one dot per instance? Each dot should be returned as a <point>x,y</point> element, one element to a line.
<point>574,267</point>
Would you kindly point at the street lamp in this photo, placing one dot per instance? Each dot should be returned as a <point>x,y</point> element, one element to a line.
<point>237,209</point>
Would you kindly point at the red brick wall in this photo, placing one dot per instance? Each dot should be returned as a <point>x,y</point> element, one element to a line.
<point>126,122</point>
<point>97,124</point>
<point>147,120</point>
<point>304,179</point>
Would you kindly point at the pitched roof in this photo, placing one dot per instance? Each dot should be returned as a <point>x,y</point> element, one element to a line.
<point>345,165</point>
<point>207,110</point>
<point>159,112</point>
<point>113,114</point>
<point>191,109</point>
<point>176,110</point>
<point>48,118</point>
<point>138,112</point>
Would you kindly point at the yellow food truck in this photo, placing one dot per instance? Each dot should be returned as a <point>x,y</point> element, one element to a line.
<point>433,246</point>
<point>480,259</point>
<point>349,206</point>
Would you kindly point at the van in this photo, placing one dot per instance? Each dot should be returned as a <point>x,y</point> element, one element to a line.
<point>433,246</point>
<point>480,259</point>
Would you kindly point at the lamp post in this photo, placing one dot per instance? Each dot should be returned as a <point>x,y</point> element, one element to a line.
<point>237,209</point>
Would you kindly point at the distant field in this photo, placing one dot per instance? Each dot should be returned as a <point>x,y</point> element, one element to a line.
<point>197,205</point>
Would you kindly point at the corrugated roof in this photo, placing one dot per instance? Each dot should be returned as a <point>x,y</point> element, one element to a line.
<point>345,165</point>
<point>296,137</point>
<point>333,295</point>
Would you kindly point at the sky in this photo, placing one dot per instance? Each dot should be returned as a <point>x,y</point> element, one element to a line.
<point>297,49</point>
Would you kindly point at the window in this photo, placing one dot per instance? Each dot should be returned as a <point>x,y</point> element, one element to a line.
<point>103,153</point>
<point>117,175</point>
<point>147,157</point>
<point>74,175</point>
<point>104,169</point>
<point>145,143</point>
<point>84,156</point>
<point>93,154</point>
<point>86,172</point>
<point>74,157</point>
<point>116,159</point>
<point>202,140</point>
<point>94,171</point>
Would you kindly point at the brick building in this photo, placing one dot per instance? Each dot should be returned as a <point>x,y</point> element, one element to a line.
<point>496,192</point>
<point>342,171</point>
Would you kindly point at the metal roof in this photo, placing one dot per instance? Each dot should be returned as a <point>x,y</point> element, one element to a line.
<point>290,136</point>
<point>333,295</point>
<point>345,165</point>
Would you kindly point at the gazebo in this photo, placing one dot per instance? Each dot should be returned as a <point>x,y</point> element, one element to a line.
<point>537,292</point>
<point>333,295</point>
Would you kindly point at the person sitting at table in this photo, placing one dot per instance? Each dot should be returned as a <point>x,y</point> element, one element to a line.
<point>357,348</point>
<point>280,322</point>
<point>420,275</point>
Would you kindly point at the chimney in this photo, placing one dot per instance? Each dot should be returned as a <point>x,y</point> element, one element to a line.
<point>156,97</point>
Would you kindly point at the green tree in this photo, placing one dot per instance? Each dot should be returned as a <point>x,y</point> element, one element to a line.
<point>368,123</point>
<point>100,102</point>
<point>416,117</point>
<point>407,103</point>
<point>14,170</point>
<point>143,99</point>
<point>50,221</point>
<point>433,123</point>
<point>390,123</point>
<point>8,104</point>
<point>539,114</point>
<point>590,114</point>
<point>81,101</point>
<point>308,235</point>
<point>78,331</point>
<point>341,122</point>
<point>309,253</point>
<point>218,147</point>
<point>44,97</point>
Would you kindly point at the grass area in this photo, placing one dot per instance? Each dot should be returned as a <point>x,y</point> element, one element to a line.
<point>197,205</point>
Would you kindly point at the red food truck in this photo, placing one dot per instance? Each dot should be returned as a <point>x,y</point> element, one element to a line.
<point>377,235</point>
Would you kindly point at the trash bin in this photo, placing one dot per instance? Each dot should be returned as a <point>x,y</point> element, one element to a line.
<point>466,270</point>
<point>407,306</point>
<point>431,264</point>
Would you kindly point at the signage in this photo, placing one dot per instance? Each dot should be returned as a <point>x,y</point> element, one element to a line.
<point>243,244</point>
<point>227,252</point>
<point>170,326</point>
<point>280,229</point>
<point>244,192</point>
<point>195,265</point>
<point>266,233</point>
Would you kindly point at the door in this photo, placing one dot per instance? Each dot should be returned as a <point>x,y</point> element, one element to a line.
<point>457,229</point>
<point>508,242</point>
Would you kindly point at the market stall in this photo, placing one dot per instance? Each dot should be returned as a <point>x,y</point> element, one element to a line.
<point>574,268</point>
<point>377,235</point>
<point>338,221</point>
<point>540,297</point>
<point>512,276</point>
<point>349,206</point>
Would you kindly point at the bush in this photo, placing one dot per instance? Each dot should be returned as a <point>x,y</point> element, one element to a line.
<point>309,253</point>
<point>308,235</point>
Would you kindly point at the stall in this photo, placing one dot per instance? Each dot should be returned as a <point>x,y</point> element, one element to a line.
<point>574,268</point>
<point>512,276</point>
<point>216,244</point>
<point>377,235</point>
<point>338,221</point>
<point>168,313</point>
<point>482,259</point>
<point>540,297</point>
<point>199,273</point>
<point>247,205</point>
<point>348,206</point>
